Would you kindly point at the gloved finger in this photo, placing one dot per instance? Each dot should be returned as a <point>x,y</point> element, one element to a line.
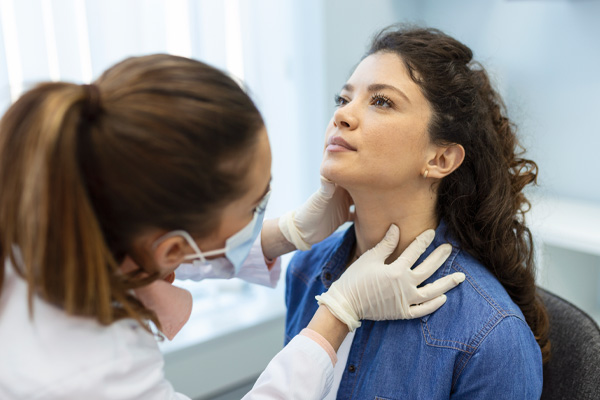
<point>416,248</point>
<point>439,287</point>
<point>387,245</point>
<point>327,187</point>
<point>420,310</point>
<point>431,264</point>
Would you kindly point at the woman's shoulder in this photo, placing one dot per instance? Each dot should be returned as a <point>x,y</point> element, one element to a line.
<point>482,286</point>
<point>476,309</point>
<point>487,330</point>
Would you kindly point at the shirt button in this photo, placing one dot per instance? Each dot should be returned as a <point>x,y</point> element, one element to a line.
<point>351,368</point>
<point>327,276</point>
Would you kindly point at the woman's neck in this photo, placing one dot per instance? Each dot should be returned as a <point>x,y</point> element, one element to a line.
<point>376,211</point>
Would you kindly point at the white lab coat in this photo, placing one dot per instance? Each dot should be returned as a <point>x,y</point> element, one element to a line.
<point>58,356</point>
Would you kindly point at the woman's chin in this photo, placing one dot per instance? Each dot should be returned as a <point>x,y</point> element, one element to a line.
<point>330,171</point>
<point>335,174</point>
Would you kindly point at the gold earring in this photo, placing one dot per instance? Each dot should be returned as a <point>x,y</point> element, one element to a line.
<point>425,173</point>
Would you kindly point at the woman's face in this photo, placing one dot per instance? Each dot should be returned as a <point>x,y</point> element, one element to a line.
<point>377,138</point>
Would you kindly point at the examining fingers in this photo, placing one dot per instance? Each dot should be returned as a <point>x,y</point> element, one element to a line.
<point>441,286</point>
<point>417,247</point>
<point>432,262</point>
<point>388,244</point>
<point>426,308</point>
<point>327,187</point>
<point>320,215</point>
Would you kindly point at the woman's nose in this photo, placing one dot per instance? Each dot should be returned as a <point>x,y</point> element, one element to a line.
<point>344,118</point>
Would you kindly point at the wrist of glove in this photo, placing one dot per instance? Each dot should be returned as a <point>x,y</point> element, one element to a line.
<point>370,289</point>
<point>339,307</point>
<point>291,232</point>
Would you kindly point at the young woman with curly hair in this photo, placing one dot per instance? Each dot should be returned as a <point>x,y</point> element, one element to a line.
<point>420,139</point>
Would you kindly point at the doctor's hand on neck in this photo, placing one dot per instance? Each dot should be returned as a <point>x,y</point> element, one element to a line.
<point>324,212</point>
<point>370,289</point>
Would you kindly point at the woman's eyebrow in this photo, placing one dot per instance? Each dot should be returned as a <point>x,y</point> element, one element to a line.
<point>376,87</point>
<point>348,87</point>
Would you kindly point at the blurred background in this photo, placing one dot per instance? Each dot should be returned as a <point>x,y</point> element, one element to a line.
<point>293,56</point>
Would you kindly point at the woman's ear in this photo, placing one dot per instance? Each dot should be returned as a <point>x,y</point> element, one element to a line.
<point>445,160</point>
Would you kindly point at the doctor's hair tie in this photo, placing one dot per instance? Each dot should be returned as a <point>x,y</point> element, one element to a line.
<point>91,105</point>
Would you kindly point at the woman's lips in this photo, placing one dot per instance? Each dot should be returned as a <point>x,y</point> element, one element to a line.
<point>337,144</point>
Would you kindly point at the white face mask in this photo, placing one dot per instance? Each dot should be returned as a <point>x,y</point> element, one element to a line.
<point>237,247</point>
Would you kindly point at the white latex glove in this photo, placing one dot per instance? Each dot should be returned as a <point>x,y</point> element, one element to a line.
<point>318,217</point>
<point>370,289</point>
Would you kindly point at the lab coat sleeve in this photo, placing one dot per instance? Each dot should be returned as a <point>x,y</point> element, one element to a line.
<point>301,371</point>
<point>254,270</point>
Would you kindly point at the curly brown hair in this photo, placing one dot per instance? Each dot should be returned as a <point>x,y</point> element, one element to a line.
<point>482,201</point>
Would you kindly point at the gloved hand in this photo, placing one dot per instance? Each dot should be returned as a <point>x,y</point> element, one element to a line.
<point>318,217</point>
<point>370,289</point>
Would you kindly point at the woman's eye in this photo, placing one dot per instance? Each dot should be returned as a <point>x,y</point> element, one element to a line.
<point>381,101</point>
<point>339,100</point>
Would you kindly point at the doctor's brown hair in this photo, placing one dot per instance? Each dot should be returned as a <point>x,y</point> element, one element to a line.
<point>482,201</point>
<point>156,142</point>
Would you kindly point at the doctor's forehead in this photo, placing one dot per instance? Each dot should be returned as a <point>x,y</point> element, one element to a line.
<point>260,169</point>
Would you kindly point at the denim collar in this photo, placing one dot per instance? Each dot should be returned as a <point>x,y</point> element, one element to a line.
<point>335,261</point>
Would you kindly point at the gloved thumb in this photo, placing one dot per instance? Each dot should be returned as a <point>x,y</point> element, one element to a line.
<point>388,244</point>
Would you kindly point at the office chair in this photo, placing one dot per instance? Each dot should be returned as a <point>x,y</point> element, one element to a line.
<point>573,371</point>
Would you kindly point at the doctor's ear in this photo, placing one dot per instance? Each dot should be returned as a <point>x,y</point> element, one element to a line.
<point>444,160</point>
<point>170,252</point>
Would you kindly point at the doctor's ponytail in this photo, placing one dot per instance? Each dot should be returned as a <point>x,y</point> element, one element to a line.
<point>157,142</point>
<point>50,231</point>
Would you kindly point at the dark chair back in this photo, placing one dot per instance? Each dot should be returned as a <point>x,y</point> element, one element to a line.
<point>573,371</point>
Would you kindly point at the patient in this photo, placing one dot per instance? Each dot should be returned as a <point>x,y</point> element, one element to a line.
<point>421,139</point>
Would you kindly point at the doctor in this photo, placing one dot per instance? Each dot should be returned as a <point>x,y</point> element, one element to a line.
<point>106,189</point>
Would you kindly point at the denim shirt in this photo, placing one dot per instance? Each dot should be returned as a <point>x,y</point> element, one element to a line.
<point>476,346</point>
